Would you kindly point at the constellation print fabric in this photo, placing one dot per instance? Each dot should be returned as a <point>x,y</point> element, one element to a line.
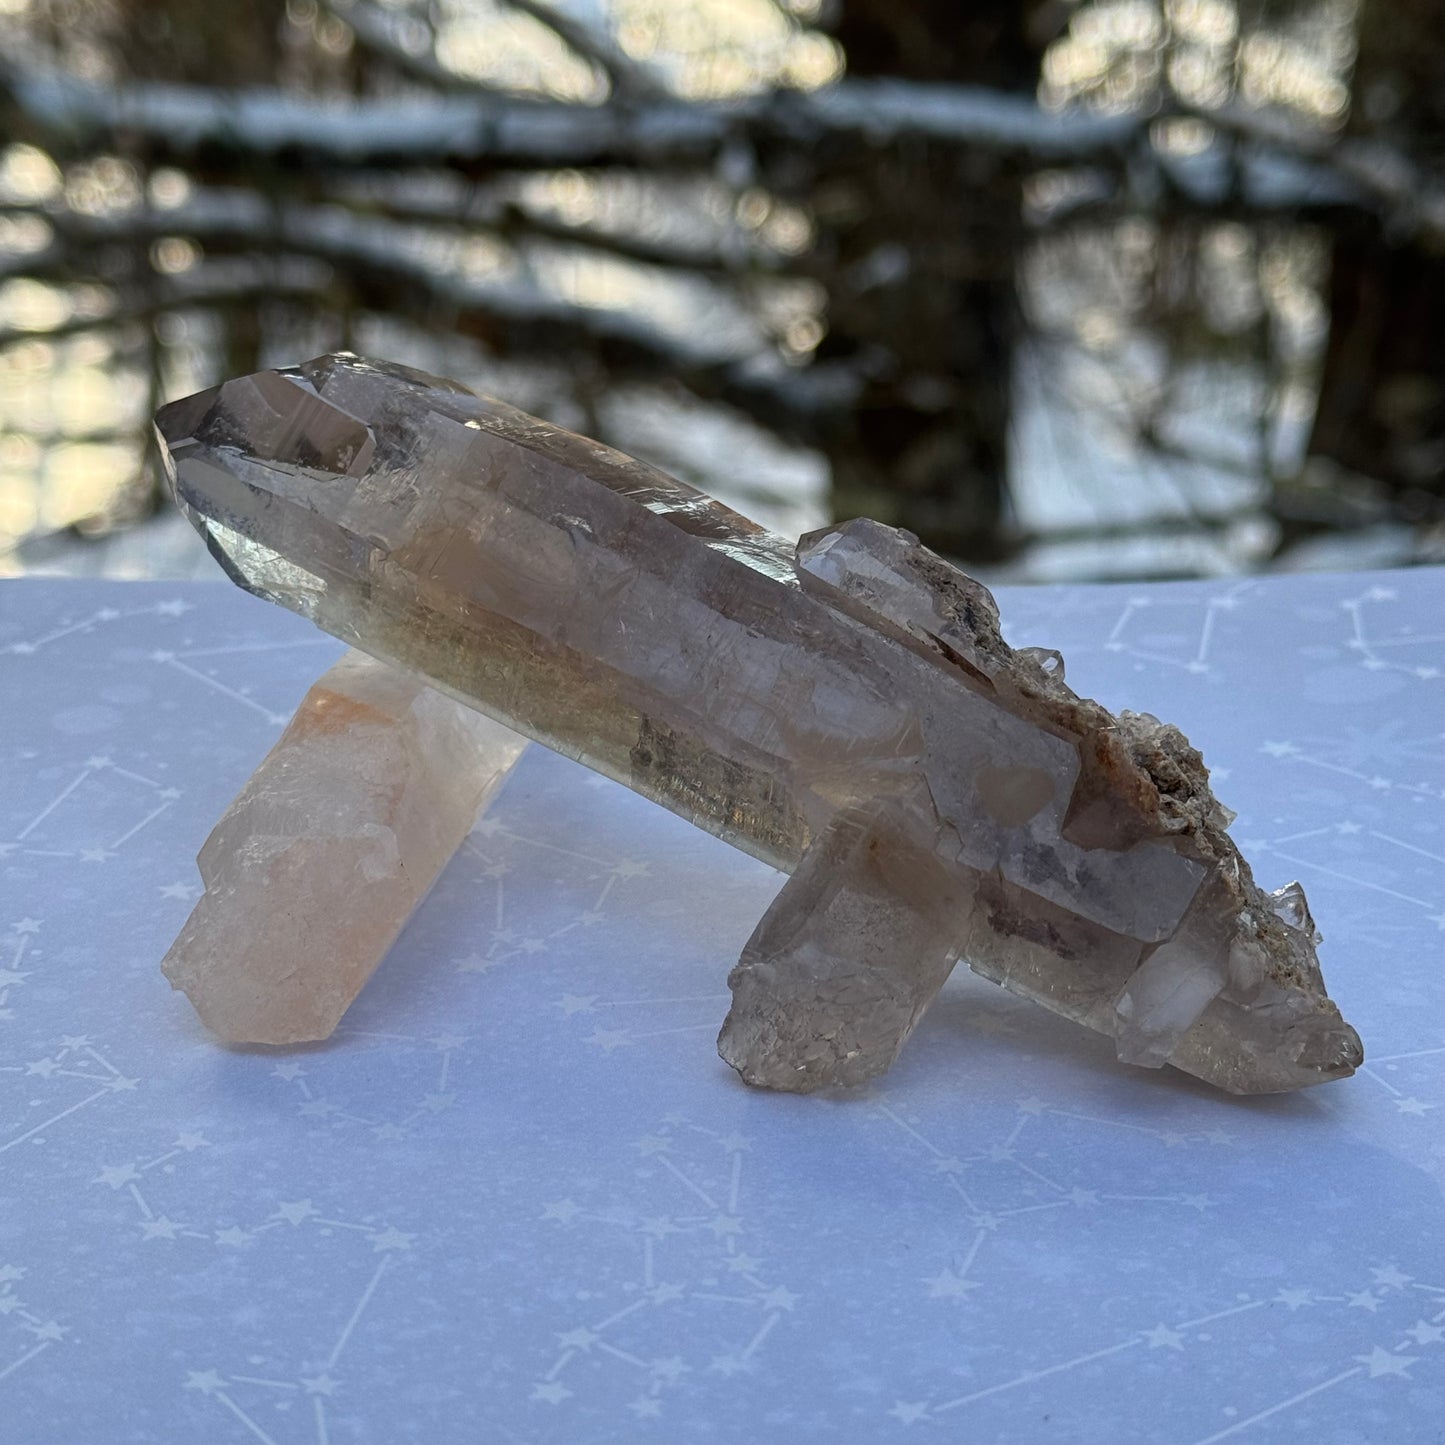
<point>518,1196</point>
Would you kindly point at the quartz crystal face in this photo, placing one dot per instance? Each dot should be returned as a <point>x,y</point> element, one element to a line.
<point>845,709</point>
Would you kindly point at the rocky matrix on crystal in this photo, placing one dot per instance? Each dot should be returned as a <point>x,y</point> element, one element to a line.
<point>846,710</point>
<point>330,846</point>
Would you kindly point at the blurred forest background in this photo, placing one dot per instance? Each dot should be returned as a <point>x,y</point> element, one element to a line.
<point>1073,290</point>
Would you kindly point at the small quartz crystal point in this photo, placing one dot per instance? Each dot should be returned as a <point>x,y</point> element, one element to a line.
<point>845,709</point>
<point>330,846</point>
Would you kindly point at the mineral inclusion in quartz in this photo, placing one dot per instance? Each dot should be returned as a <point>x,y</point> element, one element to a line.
<point>845,710</point>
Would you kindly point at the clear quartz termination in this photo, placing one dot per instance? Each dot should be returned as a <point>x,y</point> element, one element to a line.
<point>845,710</point>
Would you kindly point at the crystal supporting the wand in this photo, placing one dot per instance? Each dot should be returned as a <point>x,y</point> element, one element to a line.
<point>336,838</point>
<point>846,710</point>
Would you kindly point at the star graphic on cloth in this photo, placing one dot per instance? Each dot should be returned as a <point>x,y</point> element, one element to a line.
<point>1381,1362</point>
<point>908,1412</point>
<point>1389,1276</point>
<point>554,1392</point>
<point>1364,1300</point>
<point>190,1142</point>
<point>321,1384</point>
<point>1412,1106</point>
<point>388,1239</point>
<point>27,925</point>
<point>576,1003</point>
<point>1424,1333</point>
<point>159,1228</point>
<point>579,1339</point>
<point>1293,1299</point>
<point>42,1067</point>
<point>646,1407</point>
<point>665,1293</point>
<point>288,1071</point>
<point>609,1039</point>
<point>1162,1337</point>
<point>948,1285</point>
<point>234,1236</point>
<point>117,1174</point>
<point>206,1381</point>
<point>295,1213</point>
<point>744,1263</point>
<point>49,1331</point>
<point>474,963</point>
<point>779,1299</point>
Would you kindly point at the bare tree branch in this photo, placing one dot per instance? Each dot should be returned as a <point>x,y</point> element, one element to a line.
<point>365,265</point>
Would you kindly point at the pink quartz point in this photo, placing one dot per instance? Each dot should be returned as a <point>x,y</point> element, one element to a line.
<point>329,848</point>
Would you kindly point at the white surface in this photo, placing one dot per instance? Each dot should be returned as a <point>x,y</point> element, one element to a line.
<point>518,1198</point>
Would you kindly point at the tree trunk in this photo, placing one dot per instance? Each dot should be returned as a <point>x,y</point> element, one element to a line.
<point>920,245</point>
<point>1381,406</point>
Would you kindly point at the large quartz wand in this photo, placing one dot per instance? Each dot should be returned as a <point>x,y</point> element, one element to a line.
<point>845,710</point>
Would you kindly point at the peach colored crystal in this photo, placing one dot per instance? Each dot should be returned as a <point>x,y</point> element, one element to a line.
<point>328,849</point>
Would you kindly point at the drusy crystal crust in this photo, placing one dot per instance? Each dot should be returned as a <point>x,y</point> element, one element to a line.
<point>845,709</point>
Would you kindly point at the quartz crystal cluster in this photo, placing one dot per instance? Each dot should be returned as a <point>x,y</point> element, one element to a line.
<point>845,709</point>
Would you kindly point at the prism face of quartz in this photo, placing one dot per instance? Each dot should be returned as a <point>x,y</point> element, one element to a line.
<point>853,950</point>
<point>852,693</point>
<point>328,849</point>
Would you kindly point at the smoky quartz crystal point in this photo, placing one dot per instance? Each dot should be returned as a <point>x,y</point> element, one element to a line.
<point>845,709</point>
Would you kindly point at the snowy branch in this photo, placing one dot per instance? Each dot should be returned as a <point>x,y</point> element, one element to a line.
<point>175,123</point>
<point>1256,165</point>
